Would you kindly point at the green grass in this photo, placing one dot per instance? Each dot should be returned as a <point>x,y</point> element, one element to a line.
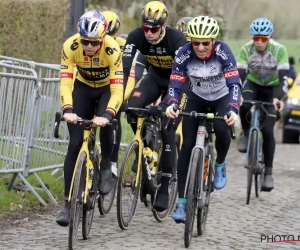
<point>24,198</point>
<point>293,48</point>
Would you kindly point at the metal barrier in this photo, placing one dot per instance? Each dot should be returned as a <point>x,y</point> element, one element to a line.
<point>28,104</point>
<point>29,98</point>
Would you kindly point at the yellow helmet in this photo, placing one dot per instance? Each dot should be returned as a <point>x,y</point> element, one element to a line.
<point>203,27</point>
<point>182,25</point>
<point>113,22</point>
<point>154,13</point>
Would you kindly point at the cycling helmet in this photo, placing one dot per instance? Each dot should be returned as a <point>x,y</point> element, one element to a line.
<point>92,25</point>
<point>154,13</point>
<point>182,25</point>
<point>113,22</point>
<point>203,27</point>
<point>261,26</point>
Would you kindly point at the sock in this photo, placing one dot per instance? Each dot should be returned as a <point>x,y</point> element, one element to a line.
<point>220,164</point>
<point>182,200</point>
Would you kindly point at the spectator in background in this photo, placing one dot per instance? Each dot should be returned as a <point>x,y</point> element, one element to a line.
<point>292,73</point>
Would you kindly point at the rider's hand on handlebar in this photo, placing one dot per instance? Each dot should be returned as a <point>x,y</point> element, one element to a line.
<point>71,118</point>
<point>170,112</point>
<point>275,101</point>
<point>232,119</point>
<point>100,121</point>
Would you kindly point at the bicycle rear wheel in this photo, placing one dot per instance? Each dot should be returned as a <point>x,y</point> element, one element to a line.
<point>207,188</point>
<point>128,192</point>
<point>252,157</point>
<point>192,194</point>
<point>77,199</point>
<point>89,208</point>
<point>161,216</point>
<point>105,202</point>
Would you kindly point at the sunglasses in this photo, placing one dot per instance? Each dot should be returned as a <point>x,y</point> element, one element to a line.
<point>205,44</point>
<point>261,38</point>
<point>87,42</point>
<point>152,30</point>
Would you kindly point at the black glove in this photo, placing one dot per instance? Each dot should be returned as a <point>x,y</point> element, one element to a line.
<point>155,111</point>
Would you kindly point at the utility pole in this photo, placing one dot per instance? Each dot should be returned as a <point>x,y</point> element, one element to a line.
<point>77,9</point>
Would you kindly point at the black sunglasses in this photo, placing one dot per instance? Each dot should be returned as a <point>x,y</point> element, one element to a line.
<point>87,42</point>
<point>205,44</point>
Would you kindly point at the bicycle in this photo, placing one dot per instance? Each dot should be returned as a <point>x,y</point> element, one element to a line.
<point>199,184</point>
<point>137,174</point>
<point>84,185</point>
<point>254,158</point>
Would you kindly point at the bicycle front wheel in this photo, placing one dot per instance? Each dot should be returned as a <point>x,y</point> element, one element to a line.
<point>128,186</point>
<point>192,194</point>
<point>89,207</point>
<point>77,199</point>
<point>252,158</point>
<point>207,188</point>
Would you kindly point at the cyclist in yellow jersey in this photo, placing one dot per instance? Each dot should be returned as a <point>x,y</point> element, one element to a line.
<point>99,79</point>
<point>112,30</point>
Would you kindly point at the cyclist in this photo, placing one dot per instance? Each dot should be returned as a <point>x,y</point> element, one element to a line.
<point>99,79</point>
<point>215,87</point>
<point>112,30</point>
<point>263,63</point>
<point>158,43</point>
<point>141,62</point>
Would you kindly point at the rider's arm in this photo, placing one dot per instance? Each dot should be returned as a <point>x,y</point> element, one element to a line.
<point>178,76</point>
<point>242,64</point>
<point>129,52</point>
<point>66,77</point>
<point>140,64</point>
<point>116,81</point>
<point>232,78</point>
<point>283,70</point>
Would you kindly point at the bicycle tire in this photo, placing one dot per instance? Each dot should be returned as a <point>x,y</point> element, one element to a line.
<point>126,182</point>
<point>88,215</point>
<point>105,202</point>
<point>191,204</point>
<point>251,163</point>
<point>202,213</point>
<point>161,216</point>
<point>76,200</point>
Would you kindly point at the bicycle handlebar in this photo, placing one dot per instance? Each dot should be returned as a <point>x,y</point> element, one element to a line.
<point>207,116</point>
<point>84,122</point>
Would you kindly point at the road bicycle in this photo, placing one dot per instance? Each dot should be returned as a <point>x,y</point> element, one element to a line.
<point>199,184</point>
<point>254,157</point>
<point>137,173</point>
<point>84,186</point>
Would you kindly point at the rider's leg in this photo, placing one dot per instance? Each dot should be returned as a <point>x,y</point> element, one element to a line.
<point>144,93</point>
<point>222,143</point>
<point>249,93</point>
<point>189,133</point>
<point>268,149</point>
<point>115,152</point>
<point>83,106</point>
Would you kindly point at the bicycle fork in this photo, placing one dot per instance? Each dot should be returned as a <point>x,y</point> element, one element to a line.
<point>200,143</point>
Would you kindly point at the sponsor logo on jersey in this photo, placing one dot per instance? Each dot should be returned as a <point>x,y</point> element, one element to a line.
<point>64,66</point>
<point>180,59</point>
<point>177,77</point>
<point>66,75</point>
<point>231,74</point>
<point>221,52</point>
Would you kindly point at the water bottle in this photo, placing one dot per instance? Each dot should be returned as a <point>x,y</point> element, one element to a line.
<point>155,162</point>
<point>149,156</point>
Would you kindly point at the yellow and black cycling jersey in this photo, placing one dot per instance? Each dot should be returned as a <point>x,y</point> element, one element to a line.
<point>131,78</point>
<point>101,69</point>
